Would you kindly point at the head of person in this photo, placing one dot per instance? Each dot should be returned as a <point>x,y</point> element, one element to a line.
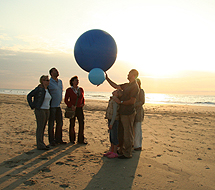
<point>132,75</point>
<point>139,82</point>
<point>118,93</point>
<point>54,72</point>
<point>44,80</point>
<point>74,81</point>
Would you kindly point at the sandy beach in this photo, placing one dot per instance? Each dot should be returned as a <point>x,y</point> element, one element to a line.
<point>178,150</point>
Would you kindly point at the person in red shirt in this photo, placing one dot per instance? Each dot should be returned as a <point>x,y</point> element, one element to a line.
<point>72,93</point>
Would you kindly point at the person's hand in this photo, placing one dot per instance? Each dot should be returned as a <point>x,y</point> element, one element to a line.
<point>110,127</point>
<point>106,76</point>
<point>82,105</point>
<point>73,108</point>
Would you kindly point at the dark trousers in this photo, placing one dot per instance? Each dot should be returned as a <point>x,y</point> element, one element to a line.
<point>55,115</point>
<point>120,136</point>
<point>42,117</point>
<point>80,116</point>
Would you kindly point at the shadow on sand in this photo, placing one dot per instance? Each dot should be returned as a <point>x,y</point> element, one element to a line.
<point>13,171</point>
<point>115,173</point>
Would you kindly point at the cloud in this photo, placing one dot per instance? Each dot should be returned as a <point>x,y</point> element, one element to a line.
<point>34,43</point>
<point>5,37</point>
<point>21,70</point>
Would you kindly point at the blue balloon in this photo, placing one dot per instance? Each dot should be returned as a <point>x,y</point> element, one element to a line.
<point>95,49</point>
<point>96,76</point>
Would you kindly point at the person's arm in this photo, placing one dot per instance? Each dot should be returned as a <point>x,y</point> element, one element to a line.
<point>114,115</point>
<point>113,84</point>
<point>83,101</point>
<point>67,97</point>
<point>30,96</point>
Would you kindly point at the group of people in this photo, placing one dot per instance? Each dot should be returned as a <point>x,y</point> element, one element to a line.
<point>45,99</point>
<point>124,113</point>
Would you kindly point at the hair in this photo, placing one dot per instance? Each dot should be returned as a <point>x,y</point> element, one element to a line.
<point>50,71</point>
<point>119,92</point>
<point>135,72</point>
<point>138,82</point>
<point>43,77</point>
<point>72,79</point>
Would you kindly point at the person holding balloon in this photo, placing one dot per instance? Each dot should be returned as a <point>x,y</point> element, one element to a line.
<point>127,110</point>
<point>76,94</point>
<point>112,115</point>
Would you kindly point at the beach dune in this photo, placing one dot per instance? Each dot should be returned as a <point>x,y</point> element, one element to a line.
<point>178,150</point>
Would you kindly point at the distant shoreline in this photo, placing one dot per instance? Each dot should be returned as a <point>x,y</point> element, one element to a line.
<point>153,98</point>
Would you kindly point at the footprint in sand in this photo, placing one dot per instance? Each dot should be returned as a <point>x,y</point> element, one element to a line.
<point>29,153</point>
<point>43,158</point>
<point>64,185</point>
<point>30,182</point>
<point>45,169</point>
<point>170,150</point>
<point>70,160</point>
<point>60,163</point>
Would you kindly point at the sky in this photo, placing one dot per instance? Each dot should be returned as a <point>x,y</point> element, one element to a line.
<point>170,42</point>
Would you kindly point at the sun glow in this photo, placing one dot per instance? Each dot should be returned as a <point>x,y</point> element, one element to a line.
<point>161,47</point>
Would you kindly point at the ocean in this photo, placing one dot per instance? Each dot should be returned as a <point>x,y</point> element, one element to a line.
<point>156,98</point>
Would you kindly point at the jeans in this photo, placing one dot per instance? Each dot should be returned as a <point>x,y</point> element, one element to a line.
<point>114,132</point>
<point>137,135</point>
<point>55,115</point>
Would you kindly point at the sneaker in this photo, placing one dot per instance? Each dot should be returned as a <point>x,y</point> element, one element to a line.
<point>61,142</point>
<point>84,142</point>
<point>52,144</point>
<point>44,148</point>
<point>138,149</point>
<point>108,153</point>
<point>123,157</point>
<point>113,155</point>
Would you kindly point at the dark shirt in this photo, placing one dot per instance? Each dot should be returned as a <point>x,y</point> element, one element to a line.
<point>129,90</point>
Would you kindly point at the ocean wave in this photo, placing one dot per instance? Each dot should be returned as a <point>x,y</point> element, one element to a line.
<point>207,103</point>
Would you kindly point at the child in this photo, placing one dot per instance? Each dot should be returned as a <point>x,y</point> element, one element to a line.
<point>113,121</point>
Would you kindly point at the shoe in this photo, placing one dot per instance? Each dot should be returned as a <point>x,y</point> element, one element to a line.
<point>107,154</point>
<point>83,142</point>
<point>48,147</point>
<point>61,142</point>
<point>138,149</point>
<point>53,144</point>
<point>123,157</point>
<point>113,155</point>
<point>45,148</point>
<point>72,142</point>
<point>119,152</point>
